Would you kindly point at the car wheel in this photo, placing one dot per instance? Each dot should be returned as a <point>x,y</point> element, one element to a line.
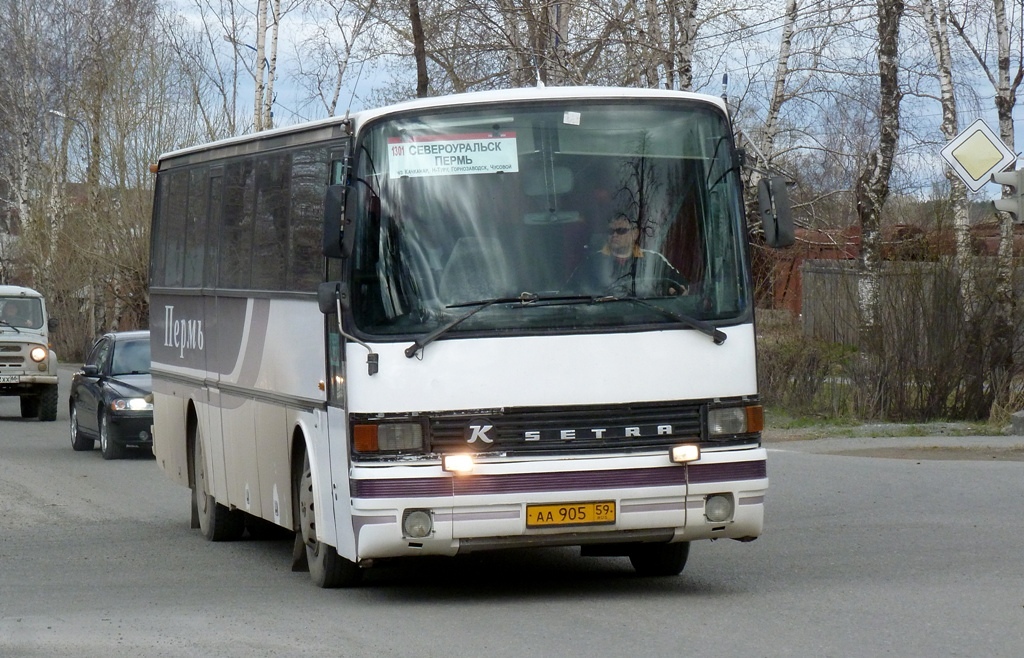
<point>326,568</point>
<point>659,559</point>
<point>78,441</point>
<point>47,410</point>
<point>216,522</point>
<point>108,446</point>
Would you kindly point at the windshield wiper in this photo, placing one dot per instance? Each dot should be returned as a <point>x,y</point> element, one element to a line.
<point>700,325</point>
<point>524,299</point>
<point>532,299</point>
<point>8,324</point>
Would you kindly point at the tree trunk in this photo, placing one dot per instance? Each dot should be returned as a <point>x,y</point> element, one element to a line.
<point>419,49</point>
<point>872,187</point>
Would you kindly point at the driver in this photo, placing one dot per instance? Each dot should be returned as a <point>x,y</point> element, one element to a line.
<point>622,267</point>
<point>13,316</point>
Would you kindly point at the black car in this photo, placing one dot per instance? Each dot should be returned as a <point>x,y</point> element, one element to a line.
<point>112,396</point>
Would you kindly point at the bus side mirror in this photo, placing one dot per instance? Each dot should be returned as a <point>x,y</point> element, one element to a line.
<point>329,295</point>
<point>334,221</point>
<point>776,213</point>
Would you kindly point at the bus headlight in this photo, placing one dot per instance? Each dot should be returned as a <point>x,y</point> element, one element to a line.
<point>684,454</point>
<point>735,420</point>
<point>391,437</point>
<point>38,354</point>
<point>459,464</point>
<point>718,508</point>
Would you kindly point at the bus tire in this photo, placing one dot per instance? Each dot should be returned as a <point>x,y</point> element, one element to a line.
<point>216,522</point>
<point>327,569</point>
<point>659,559</point>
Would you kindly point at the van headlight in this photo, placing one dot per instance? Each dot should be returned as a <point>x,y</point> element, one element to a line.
<point>38,354</point>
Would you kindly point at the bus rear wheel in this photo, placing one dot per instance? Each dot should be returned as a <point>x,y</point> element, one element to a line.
<point>659,559</point>
<point>216,522</point>
<point>326,568</point>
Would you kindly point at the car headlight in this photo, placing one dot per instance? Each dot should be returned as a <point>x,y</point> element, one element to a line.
<point>38,354</point>
<point>130,404</point>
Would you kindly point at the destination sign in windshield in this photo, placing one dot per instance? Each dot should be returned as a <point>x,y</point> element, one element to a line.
<point>447,155</point>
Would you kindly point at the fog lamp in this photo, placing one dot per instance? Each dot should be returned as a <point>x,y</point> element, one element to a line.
<point>460,464</point>
<point>417,524</point>
<point>683,454</point>
<point>37,354</point>
<point>718,508</point>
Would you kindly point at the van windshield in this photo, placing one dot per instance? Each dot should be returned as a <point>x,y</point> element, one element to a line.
<point>21,312</point>
<point>568,201</point>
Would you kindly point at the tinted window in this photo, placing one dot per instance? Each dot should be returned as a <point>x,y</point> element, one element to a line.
<point>130,357</point>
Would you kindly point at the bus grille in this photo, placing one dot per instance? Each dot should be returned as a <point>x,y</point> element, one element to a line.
<point>627,428</point>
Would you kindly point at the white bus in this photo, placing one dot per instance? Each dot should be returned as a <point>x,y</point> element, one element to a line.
<point>505,319</point>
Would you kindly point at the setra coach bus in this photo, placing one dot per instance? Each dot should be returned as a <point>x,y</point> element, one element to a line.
<point>519,318</point>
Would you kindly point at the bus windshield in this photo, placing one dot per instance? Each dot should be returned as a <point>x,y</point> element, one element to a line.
<point>554,209</point>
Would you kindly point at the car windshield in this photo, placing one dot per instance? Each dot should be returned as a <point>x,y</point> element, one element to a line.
<point>566,201</point>
<point>130,358</point>
<point>21,312</point>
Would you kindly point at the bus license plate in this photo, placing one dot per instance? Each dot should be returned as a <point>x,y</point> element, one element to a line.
<point>570,514</point>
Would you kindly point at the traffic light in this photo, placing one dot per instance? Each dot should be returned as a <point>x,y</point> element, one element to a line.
<point>1013,199</point>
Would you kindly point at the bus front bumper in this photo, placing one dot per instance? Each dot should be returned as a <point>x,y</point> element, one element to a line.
<point>653,501</point>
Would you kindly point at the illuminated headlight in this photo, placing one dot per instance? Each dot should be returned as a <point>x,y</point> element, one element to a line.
<point>388,437</point>
<point>683,454</point>
<point>735,420</point>
<point>38,354</point>
<point>131,404</point>
<point>718,508</point>
<point>417,523</point>
<point>460,464</point>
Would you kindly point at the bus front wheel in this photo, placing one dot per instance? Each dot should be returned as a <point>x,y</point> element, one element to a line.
<point>326,568</point>
<point>216,522</point>
<point>659,559</point>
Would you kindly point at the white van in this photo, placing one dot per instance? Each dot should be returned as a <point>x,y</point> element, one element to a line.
<point>28,367</point>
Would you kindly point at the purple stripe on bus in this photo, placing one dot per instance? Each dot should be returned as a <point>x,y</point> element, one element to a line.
<point>475,485</point>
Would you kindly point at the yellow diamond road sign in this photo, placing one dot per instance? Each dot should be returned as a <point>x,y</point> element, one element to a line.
<point>976,153</point>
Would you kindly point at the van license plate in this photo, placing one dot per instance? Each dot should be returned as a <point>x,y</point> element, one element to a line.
<point>570,514</point>
<point>8,379</point>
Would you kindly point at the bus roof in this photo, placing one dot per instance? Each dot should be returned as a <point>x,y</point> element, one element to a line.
<point>333,124</point>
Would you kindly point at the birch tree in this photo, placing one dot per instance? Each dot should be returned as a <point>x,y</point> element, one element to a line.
<point>340,36</point>
<point>936,21</point>
<point>872,186</point>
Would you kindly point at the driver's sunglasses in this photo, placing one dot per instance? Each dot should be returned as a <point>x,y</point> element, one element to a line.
<point>622,230</point>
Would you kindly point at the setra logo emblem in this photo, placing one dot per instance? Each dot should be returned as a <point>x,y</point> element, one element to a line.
<point>478,429</point>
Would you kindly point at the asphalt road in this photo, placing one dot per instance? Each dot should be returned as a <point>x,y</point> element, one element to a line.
<point>862,556</point>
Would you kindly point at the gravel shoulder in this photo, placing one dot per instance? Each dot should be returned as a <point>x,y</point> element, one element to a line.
<point>928,441</point>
